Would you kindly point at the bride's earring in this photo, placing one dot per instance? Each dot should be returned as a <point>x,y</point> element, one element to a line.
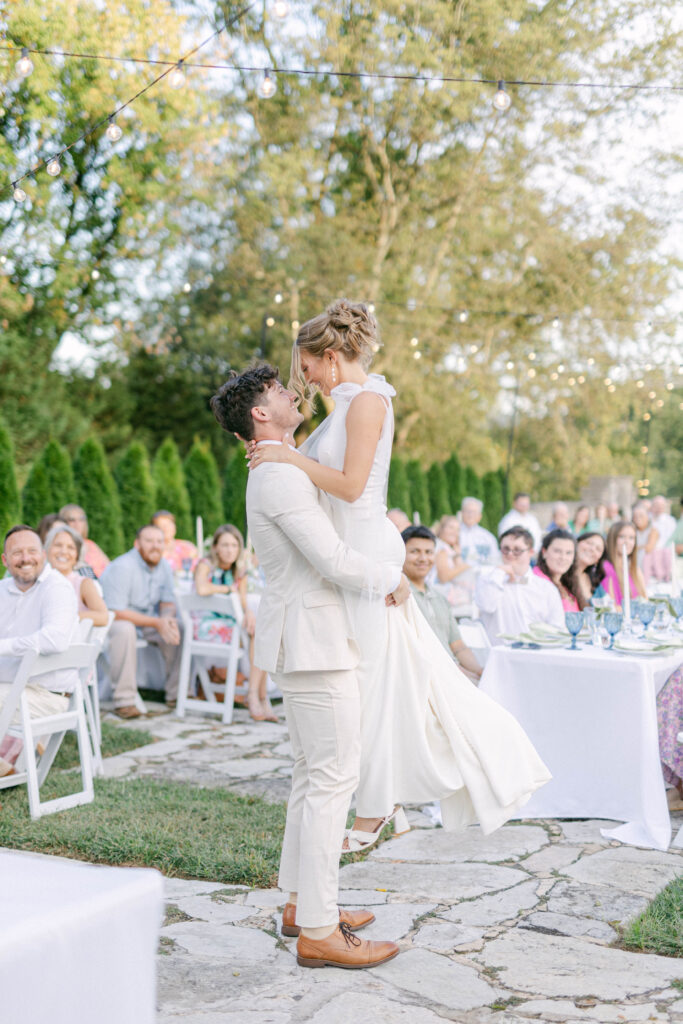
<point>334,374</point>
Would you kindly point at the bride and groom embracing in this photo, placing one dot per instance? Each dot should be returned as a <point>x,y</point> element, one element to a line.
<point>374,703</point>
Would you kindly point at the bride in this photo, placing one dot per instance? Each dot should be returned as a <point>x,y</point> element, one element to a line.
<point>427,732</point>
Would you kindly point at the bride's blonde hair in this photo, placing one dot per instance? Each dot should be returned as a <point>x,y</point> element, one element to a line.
<point>346,327</point>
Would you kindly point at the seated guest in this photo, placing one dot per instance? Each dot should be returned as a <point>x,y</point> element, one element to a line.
<point>399,519</point>
<point>180,554</point>
<point>37,613</point>
<point>420,554</point>
<point>138,587</point>
<point>473,537</point>
<point>597,523</point>
<point>63,549</point>
<point>661,564</point>
<point>510,597</point>
<point>622,536</point>
<point>613,516</point>
<point>647,536</point>
<point>669,719</point>
<point>451,576</point>
<point>46,524</point>
<point>93,555</point>
<point>560,520</point>
<point>556,562</point>
<point>521,515</point>
<point>579,523</point>
<point>589,569</point>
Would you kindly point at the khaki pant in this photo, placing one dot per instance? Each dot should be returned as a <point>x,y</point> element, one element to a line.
<point>323,717</point>
<point>123,661</point>
<point>41,702</point>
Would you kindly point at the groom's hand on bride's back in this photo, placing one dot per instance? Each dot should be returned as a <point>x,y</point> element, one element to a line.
<point>401,594</point>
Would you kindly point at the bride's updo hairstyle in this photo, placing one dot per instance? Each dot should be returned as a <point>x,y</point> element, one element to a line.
<point>345,327</point>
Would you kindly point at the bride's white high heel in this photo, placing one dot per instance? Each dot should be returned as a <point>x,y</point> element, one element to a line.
<point>359,840</point>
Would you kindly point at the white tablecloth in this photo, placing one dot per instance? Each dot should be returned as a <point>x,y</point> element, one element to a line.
<point>592,717</point>
<point>77,942</point>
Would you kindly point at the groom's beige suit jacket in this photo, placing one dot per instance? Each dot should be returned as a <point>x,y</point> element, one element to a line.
<point>301,624</point>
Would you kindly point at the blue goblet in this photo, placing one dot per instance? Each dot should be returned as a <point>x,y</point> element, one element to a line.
<point>646,613</point>
<point>573,622</point>
<point>613,621</point>
<point>677,605</point>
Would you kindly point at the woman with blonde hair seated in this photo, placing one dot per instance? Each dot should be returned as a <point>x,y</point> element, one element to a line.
<point>622,537</point>
<point>451,576</point>
<point>63,547</point>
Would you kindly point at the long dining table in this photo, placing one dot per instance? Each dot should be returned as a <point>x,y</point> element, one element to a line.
<point>592,716</point>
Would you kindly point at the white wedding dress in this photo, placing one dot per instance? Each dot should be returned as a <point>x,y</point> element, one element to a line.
<point>427,732</point>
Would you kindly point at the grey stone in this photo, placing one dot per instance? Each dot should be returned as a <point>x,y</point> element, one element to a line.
<point>440,882</point>
<point>676,1007</point>
<point>283,750</point>
<point>226,1016</point>
<point>117,767</point>
<point>361,897</point>
<point>566,924</point>
<point>394,920</point>
<point>436,846</point>
<point>368,1007</point>
<point>552,858</point>
<point>176,888</point>
<point>245,769</point>
<point>552,1011</point>
<point>587,831</point>
<point>601,902</point>
<point>488,910</point>
<point>162,749</point>
<point>643,872</point>
<point>226,942</point>
<point>438,979</point>
<point>203,908</point>
<point>550,966</point>
<point>444,937</point>
<point>266,898</point>
<point>416,819</point>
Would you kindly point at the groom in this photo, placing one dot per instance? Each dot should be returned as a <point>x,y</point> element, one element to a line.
<point>302,639</point>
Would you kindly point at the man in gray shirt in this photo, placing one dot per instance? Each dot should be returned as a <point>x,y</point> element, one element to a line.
<point>420,554</point>
<point>138,588</point>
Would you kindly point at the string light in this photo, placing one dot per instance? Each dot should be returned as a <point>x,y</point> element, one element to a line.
<point>278,298</point>
<point>581,380</point>
<point>268,86</point>
<point>532,356</point>
<point>647,417</point>
<point>113,131</point>
<point>640,383</point>
<point>531,372</point>
<point>295,325</point>
<point>177,77</point>
<point>417,355</point>
<point>53,167</point>
<point>556,323</point>
<point>652,394</point>
<point>280,9</point>
<point>463,316</point>
<point>414,342</point>
<point>18,194</point>
<point>669,386</point>
<point>270,321</point>
<point>371,309</point>
<point>501,99</point>
<point>510,365</point>
<point>24,65</point>
<point>611,389</point>
<point>187,287</point>
<point>95,275</point>
<point>554,376</point>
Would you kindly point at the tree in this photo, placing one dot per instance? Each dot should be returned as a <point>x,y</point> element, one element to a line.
<point>235,491</point>
<point>170,487</point>
<point>36,497</point>
<point>493,501</point>
<point>437,485</point>
<point>137,495</point>
<point>59,472</point>
<point>10,502</point>
<point>204,486</point>
<point>398,494</point>
<point>96,493</point>
<point>419,495</point>
<point>455,477</point>
<point>473,488</point>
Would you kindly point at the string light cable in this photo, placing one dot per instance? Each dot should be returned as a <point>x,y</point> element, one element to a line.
<point>52,164</point>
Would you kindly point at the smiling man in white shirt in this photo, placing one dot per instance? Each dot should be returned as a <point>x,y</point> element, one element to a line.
<point>510,596</point>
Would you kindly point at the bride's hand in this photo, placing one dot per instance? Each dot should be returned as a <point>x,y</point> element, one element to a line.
<point>259,453</point>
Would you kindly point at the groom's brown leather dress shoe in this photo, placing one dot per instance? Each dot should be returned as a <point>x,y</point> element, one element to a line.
<point>355,919</point>
<point>343,949</point>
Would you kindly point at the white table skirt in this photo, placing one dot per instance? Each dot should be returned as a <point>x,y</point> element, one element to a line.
<point>592,717</point>
<point>77,942</point>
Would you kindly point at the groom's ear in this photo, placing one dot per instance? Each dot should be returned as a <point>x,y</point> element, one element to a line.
<point>260,414</point>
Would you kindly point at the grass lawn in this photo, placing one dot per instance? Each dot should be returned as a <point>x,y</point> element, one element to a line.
<point>115,739</point>
<point>659,929</point>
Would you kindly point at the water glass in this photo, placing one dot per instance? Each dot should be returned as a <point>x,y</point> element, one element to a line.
<point>677,605</point>
<point>646,613</point>
<point>574,622</point>
<point>613,621</point>
<point>482,553</point>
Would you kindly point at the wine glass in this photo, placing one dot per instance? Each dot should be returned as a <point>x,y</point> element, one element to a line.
<point>482,553</point>
<point>646,613</point>
<point>613,621</point>
<point>677,605</point>
<point>574,622</point>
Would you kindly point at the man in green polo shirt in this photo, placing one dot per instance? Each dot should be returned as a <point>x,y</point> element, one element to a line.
<point>420,554</point>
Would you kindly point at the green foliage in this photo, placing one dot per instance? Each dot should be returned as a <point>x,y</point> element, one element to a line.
<point>204,486</point>
<point>235,490</point>
<point>10,503</point>
<point>493,501</point>
<point>59,472</point>
<point>419,494</point>
<point>437,485</point>
<point>170,487</point>
<point>398,494</point>
<point>36,498</point>
<point>96,493</point>
<point>659,929</point>
<point>137,494</point>
<point>455,477</point>
<point>473,487</point>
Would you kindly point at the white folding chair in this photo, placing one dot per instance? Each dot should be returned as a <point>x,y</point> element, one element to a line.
<point>32,771</point>
<point>97,636</point>
<point>193,650</point>
<point>476,638</point>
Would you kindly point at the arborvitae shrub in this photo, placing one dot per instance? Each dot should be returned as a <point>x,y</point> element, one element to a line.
<point>419,495</point>
<point>437,485</point>
<point>398,494</point>
<point>96,493</point>
<point>235,490</point>
<point>10,502</point>
<point>204,486</point>
<point>59,472</point>
<point>171,491</point>
<point>137,495</point>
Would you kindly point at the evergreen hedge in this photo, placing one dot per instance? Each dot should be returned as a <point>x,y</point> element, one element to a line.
<point>36,497</point>
<point>493,501</point>
<point>455,478</point>
<point>204,486</point>
<point>398,493</point>
<point>171,491</point>
<point>235,491</point>
<point>437,485</point>
<point>419,495</point>
<point>473,488</point>
<point>137,495</point>
<point>10,502</point>
<point>96,493</point>
<point>59,472</point>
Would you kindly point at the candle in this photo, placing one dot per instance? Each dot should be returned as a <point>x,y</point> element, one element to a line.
<point>200,536</point>
<point>675,582</point>
<point>626,599</point>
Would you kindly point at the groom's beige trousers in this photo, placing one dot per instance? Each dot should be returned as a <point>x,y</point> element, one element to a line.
<point>323,717</point>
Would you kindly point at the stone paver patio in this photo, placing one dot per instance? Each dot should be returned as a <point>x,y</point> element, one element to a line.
<point>508,928</point>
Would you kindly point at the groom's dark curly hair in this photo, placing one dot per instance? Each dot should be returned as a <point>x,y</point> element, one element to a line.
<point>234,400</point>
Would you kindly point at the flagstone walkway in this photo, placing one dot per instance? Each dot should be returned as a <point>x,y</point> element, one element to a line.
<point>506,929</point>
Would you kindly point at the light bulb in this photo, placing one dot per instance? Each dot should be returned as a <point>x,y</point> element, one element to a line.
<point>501,99</point>
<point>414,342</point>
<point>268,87</point>
<point>462,316</point>
<point>95,275</point>
<point>278,298</point>
<point>532,356</point>
<point>510,365</point>
<point>113,131</point>
<point>560,368</point>
<point>280,9</point>
<point>18,194</point>
<point>556,322</point>
<point>647,417</point>
<point>187,287</point>
<point>417,355</point>
<point>270,322</point>
<point>669,386</point>
<point>177,77</point>
<point>554,376</point>
<point>295,325</point>
<point>652,394</point>
<point>24,65</point>
<point>581,380</point>
<point>371,309</point>
<point>640,383</point>
<point>531,372</point>
<point>53,167</point>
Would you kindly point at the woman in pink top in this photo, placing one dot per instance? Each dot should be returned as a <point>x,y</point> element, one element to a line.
<point>180,554</point>
<point>622,536</point>
<point>556,563</point>
<point>63,547</point>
